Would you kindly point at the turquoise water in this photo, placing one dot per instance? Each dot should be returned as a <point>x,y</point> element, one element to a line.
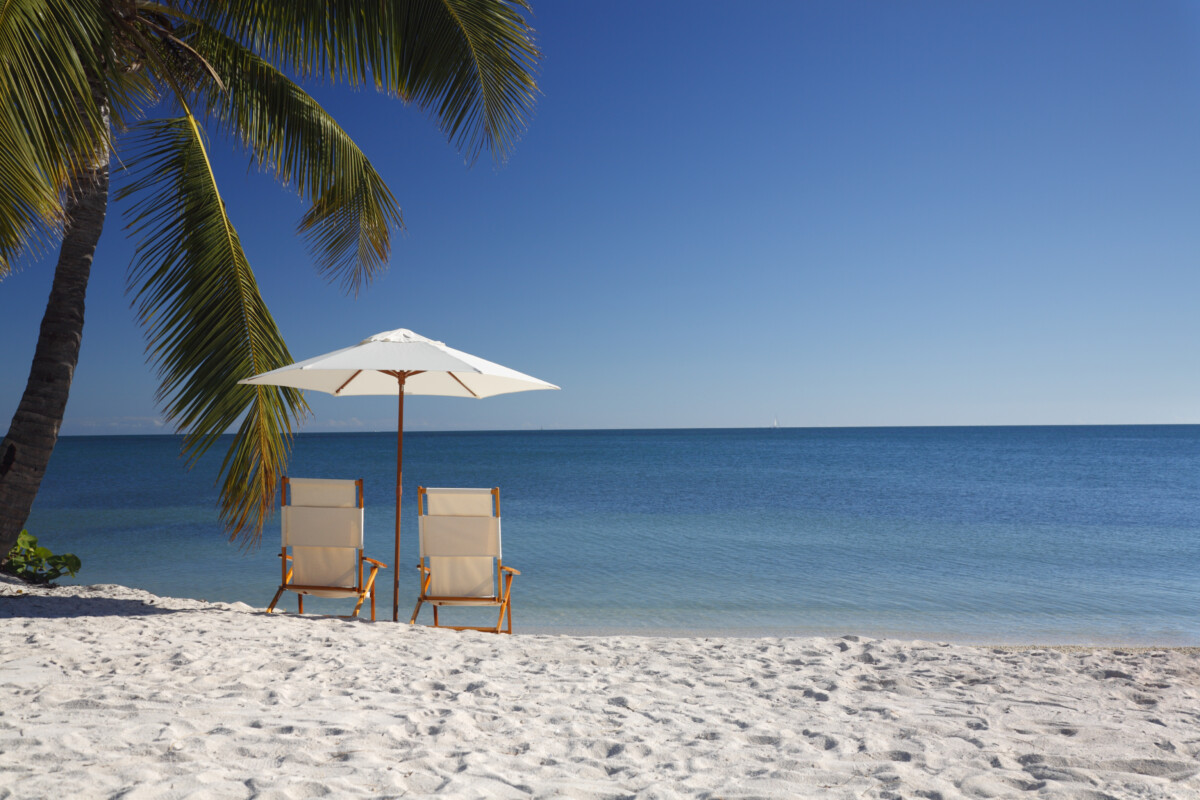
<point>1038,534</point>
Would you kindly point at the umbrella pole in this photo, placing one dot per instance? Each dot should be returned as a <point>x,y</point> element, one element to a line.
<point>399,495</point>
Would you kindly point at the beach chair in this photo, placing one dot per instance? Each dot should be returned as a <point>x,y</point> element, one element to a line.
<point>323,525</point>
<point>461,563</point>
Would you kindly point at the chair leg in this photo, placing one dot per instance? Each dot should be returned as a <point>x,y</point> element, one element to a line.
<point>274,600</point>
<point>358,605</point>
<point>435,622</point>
<point>416,611</point>
<point>300,602</point>
<point>372,605</point>
<point>506,608</point>
<point>500,621</point>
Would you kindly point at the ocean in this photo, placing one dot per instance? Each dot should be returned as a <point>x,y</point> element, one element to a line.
<point>1078,534</point>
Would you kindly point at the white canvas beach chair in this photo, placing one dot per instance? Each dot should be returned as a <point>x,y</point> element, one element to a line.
<point>461,561</point>
<point>323,525</point>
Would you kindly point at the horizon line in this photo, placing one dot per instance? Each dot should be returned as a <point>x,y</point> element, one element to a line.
<point>687,428</point>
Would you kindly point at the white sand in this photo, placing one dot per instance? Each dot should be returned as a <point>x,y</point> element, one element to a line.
<point>107,691</point>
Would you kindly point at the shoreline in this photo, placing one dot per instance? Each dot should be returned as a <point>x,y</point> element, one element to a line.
<point>1108,641</point>
<point>11,586</point>
<point>109,690</point>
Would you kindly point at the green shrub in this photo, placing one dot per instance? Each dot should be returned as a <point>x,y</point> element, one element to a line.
<point>34,564</point>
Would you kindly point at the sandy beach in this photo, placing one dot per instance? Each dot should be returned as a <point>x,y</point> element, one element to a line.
<point>109,691</point>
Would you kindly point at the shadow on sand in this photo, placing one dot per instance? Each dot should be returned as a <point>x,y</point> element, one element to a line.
<point>19,606</point>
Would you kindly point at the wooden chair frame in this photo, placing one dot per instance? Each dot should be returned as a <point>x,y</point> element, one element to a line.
<point>361,589</point>
<point>502,580</point>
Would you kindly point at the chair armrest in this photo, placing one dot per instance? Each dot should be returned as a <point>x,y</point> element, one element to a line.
<point>510,569</point>
<point>376,563</point>
<point>284,556</point>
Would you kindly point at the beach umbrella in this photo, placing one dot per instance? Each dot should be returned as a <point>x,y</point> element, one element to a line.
<point>400,363</point>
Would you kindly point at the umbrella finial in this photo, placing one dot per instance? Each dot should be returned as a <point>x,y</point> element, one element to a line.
<point>400,335</point>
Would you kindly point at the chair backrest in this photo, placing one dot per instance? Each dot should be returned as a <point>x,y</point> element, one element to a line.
<point>323,524</point>
<point>460,535</point>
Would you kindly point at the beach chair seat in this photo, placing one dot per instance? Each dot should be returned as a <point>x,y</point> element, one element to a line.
<point>322,524</point>
<point>461,563</point>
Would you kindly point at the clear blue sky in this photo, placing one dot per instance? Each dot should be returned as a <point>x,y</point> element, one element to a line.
<point>850,213</point>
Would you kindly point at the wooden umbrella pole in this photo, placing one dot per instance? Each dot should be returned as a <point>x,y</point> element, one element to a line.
<point>399,495</point>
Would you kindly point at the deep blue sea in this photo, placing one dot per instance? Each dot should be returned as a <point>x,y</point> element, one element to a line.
<point>988,534</point>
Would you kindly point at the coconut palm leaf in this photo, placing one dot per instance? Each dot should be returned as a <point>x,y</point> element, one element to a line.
<point>29,203</point>
<point>349,224</point>
<point>50,123</point>
<point>469,62</point>
<point>49,49</point>
<point>130,94</point>
<point>206,322</point>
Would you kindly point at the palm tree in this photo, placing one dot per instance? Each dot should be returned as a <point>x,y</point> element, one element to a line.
<point>83,77</point>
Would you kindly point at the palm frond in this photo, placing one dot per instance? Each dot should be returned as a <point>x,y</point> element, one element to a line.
<point>29,202</point>
<point>471,63</point>
<point>348,226</point>
<point>131,93</point>
<point>206,323</point>
<point>49,49</point>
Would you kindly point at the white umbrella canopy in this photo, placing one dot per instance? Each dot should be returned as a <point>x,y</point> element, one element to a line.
<point>400,363</point>
<point>370,367</point>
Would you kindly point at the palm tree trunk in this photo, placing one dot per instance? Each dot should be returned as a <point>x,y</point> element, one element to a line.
<point>26,450</point>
